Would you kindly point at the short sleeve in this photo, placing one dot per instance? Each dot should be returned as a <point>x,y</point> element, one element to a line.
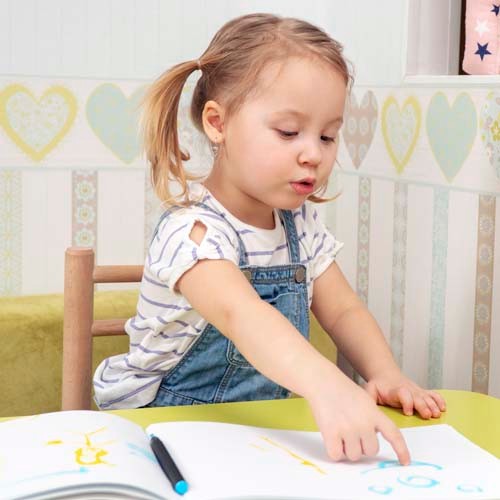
<point>324,246</point>
<point>173,252</point>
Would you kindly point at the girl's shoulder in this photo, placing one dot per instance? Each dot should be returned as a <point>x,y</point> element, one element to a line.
<point>179,220</point>
<point>313,231</point>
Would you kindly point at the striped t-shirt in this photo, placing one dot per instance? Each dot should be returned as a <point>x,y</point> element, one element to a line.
<point>165,325</point>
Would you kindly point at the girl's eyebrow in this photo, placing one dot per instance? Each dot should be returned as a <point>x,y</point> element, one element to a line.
<point>299,114</point>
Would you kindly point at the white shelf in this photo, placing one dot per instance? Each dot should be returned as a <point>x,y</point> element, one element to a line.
<point>488,81</point>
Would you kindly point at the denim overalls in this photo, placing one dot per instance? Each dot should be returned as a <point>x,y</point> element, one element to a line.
<point>213,370</point>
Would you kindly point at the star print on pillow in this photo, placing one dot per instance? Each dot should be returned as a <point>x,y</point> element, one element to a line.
<point>482,37</point>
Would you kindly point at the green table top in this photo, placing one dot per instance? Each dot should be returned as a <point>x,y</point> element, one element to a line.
<point>475,415</point>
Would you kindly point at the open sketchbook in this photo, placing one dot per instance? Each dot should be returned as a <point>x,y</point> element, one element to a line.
<point>85,454</point>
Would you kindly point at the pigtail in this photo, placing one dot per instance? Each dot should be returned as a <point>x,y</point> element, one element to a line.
<point>317,196</point>
<point>160,136</point>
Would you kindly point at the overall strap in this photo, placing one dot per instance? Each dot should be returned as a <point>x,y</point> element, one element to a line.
<point>291,236</point>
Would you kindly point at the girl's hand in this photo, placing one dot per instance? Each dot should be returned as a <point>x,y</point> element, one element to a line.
<point>399,391</point>
<point>349,420</point>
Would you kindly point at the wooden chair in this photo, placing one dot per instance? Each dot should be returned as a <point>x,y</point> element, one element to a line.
<point>80,275</point>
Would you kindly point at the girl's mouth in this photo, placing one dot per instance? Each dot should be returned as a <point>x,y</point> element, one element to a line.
<point>303,187</point>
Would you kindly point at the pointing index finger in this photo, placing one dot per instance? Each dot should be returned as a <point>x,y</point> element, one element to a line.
<point>394,437</point>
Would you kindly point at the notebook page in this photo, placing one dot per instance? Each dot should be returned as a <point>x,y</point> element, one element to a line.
<point>233,461</point>
<point>68,450</point>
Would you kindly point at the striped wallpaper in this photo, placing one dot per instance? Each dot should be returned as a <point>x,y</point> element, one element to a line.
<point>419,177</point>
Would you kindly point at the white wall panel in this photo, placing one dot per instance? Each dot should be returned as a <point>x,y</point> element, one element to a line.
<point>460,290</point>
<point>329,212</point>
<point>179,18</point>
<point>23,36</point>
<point>375,45</point>
<point>5,36</point>
<point>120,228</point>
<point>122,38</point>
<point>46,229</point>
<point>74,28</point>
<point>148,58</point>
<point>347,226</point>
<point>48,47</point>
<point>58,226</point>
<point>418,282</point>
<point>381,244</point>
<point>99,38</point>
<point>35,236</point>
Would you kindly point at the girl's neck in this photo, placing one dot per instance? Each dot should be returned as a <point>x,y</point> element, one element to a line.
<point>254,214</point>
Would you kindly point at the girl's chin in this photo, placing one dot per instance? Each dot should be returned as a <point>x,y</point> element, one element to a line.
<point>286,201</point>
<point>292,204</point>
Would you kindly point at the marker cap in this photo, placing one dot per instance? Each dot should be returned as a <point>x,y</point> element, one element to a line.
<point>181,487</point>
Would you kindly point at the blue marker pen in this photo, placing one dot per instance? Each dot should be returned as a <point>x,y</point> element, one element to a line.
<point>168,466</point>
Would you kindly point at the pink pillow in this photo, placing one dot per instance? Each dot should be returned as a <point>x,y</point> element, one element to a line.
<point>482,37</point>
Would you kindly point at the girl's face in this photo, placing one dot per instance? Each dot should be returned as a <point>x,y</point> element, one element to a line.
<point>280,146</point>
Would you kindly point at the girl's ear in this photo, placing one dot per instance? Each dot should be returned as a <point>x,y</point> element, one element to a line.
<point>213,121</point>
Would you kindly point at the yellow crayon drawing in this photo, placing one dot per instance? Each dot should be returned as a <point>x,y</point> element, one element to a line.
<point>258,447</point>
<point>303,461</point>
<point>90,453</point>
<point>55,441</point>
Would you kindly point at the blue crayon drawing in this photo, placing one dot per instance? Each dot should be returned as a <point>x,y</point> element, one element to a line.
<point>403,478</point>
<point>137,450</point>
<point>381,490</point>
<point>411,481</point>
<point>418,481</point>
<point>387,464</point>
<point>68,472</point>
<point>469,488</point>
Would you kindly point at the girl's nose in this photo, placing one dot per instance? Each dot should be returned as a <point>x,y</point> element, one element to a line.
<point>311,153</point>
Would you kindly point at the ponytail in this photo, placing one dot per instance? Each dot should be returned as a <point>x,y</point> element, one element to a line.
<point>160,136</point>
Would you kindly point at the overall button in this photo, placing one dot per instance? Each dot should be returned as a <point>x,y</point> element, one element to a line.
<point>300,275</point>
<point>247,274</point>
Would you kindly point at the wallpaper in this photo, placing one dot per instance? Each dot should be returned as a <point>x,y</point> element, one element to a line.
<point>418,182</point>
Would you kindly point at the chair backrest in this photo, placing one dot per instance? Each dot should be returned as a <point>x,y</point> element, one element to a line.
<point>80,275</point>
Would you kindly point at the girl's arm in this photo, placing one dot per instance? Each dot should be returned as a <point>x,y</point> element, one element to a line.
<point>346,416</point>
<point>356,333</point>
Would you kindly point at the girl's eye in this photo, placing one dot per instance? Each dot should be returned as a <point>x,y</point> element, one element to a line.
<point>327,139</point>
<point>286,133</point>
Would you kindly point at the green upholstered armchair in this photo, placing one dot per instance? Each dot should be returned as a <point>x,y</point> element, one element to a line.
<point>31,333</point>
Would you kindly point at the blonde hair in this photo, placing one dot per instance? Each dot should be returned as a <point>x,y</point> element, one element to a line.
<point>230,67</point>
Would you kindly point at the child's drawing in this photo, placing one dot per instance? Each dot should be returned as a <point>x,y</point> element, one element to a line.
<point>409,477</point>
<point>141,452</point>
<point>90,453</point>
<point>303,461</point>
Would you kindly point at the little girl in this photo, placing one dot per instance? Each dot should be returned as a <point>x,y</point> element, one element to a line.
<point>237,260</point>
